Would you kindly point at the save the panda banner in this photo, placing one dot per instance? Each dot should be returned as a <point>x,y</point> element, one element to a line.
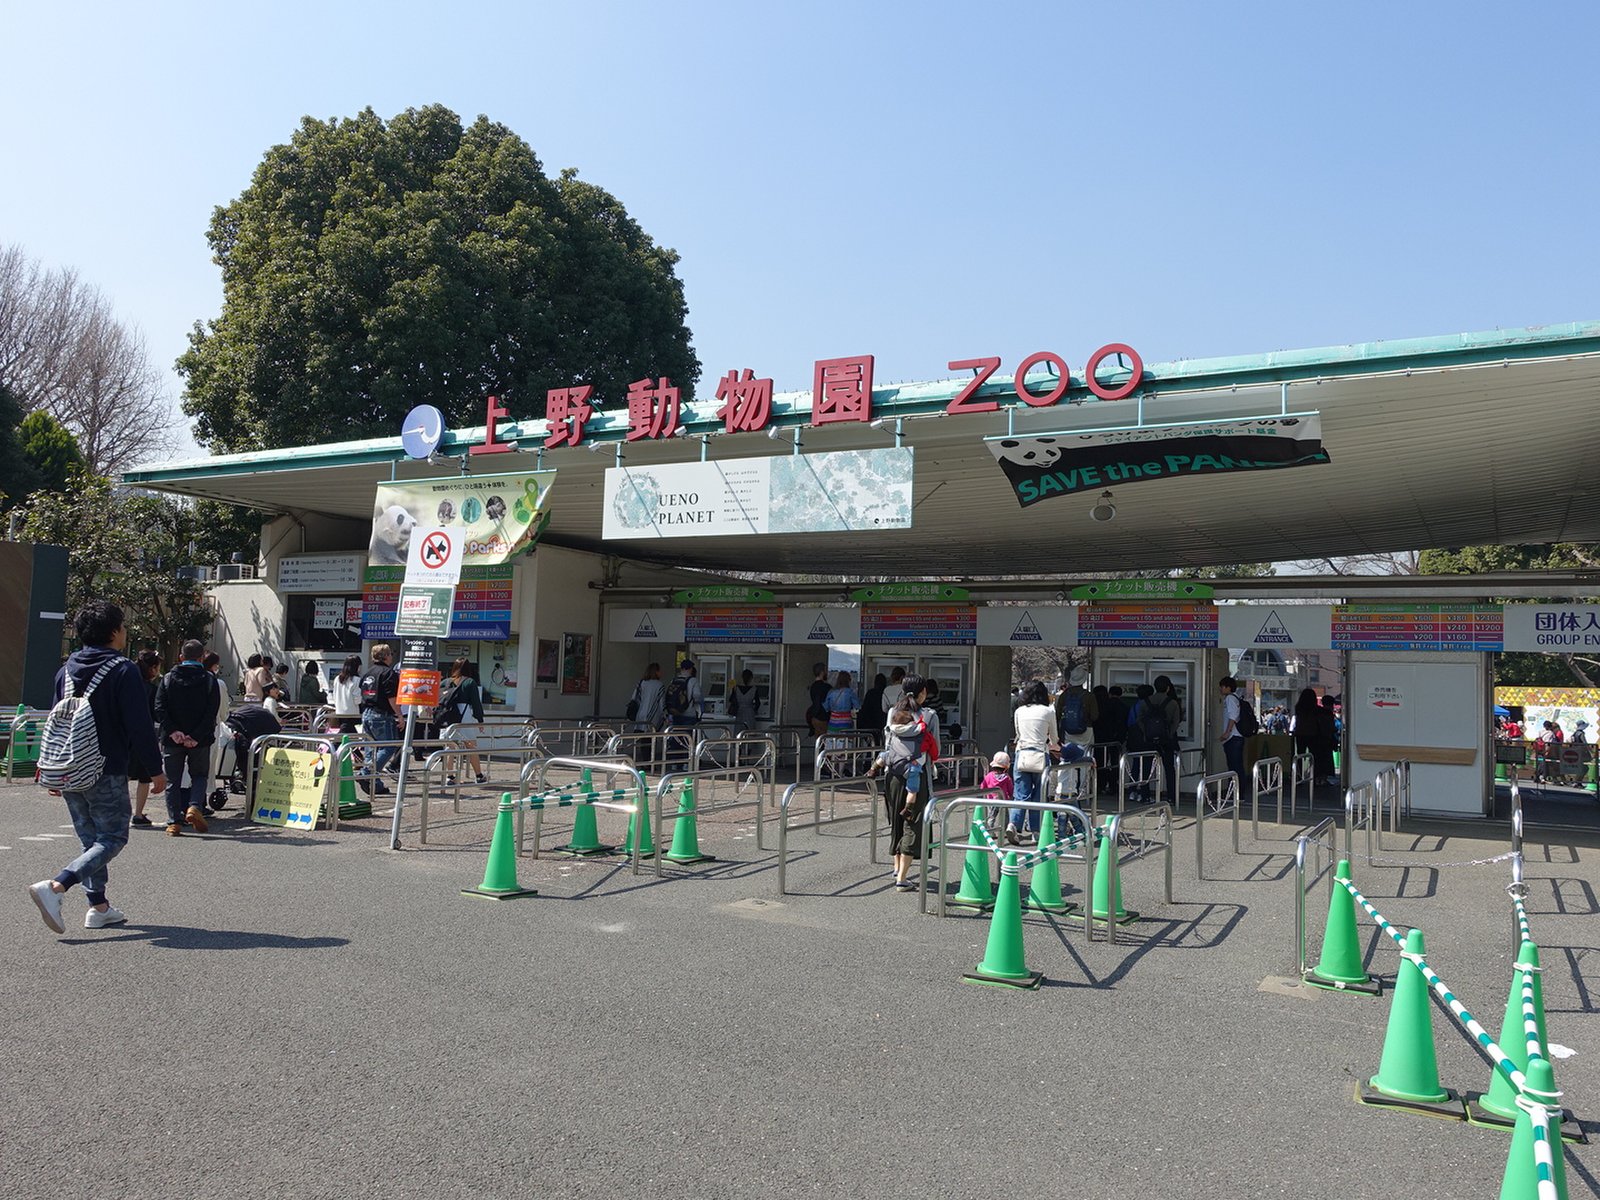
<point>495,517</point>
<point>1060,464</point>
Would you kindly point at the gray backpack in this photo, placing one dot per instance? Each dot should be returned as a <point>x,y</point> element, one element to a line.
<point>70,758</point>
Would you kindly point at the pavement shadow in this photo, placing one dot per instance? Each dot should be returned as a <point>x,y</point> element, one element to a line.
<point>188,937</point>
<point>1570,897</point>
<point>1213,923</point>
<point>1578,958</point>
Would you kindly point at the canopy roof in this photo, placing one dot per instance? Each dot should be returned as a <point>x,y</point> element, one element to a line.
<point>1449,441</point>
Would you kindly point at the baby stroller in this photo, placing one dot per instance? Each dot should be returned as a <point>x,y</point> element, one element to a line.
<point>244,726</point>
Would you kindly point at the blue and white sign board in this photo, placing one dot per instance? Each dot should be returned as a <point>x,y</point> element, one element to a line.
<point>422,431</point>
<point>1028,625</point>
<point>1275,626</point>
<point>1553,628</point>
<point>645,625</point>
<point>821,626</point>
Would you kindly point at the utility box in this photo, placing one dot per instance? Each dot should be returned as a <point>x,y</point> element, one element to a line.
<point>33,600</point>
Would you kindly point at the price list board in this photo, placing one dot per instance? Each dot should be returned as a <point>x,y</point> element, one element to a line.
<point>1147,623</point>
<point>1418,627</point>
<point>482,611</point>
<point>919,624</point>
<point>733,623</point>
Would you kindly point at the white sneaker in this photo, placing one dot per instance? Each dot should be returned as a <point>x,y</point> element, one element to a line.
<point>49,902</point>
<point>99,920</point>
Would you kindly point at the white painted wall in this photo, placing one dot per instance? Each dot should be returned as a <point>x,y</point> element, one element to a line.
<point>1443,703</point>
<point>249,621</point>
<point>554,598</point>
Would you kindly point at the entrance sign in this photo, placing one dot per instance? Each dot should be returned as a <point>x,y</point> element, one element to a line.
<point>645,625</point>
<point>1030,625</point>
<point>1275,626</point>
<point>849,491</point>
<point>821,626</point>
<point>1069,461</point>
<point>435,558</point>
<point>492,518</point>
<point>424,612</point>
<point>291,786</point>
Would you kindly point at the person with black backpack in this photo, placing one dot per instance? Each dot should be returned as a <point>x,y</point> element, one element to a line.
<point>380,684</point>
<point>90,758</point>
<point>1160,719</point>
<point>682,697</point>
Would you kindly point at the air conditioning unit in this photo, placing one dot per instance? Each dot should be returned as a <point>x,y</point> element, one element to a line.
<point>227,571</point>
<point>197,574</point>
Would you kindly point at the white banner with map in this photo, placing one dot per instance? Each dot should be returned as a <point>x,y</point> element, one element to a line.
<point>850,490</point>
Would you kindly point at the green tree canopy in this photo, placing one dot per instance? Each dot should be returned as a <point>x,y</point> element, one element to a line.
<point>126,549</point>
<point>375,265</point>
<point>51,451</point>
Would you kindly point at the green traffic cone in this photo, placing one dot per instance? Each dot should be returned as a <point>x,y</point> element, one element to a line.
<point>977,881</point>
<point>686,835</point>
<point>585,832</point>
<point>639,820</point>
<point>500,872</point>
<point>1106,900</point>
<point>1497,1108</point>
<point>1408,1073</point>
<point>1044,883</point>
<point>24,743</point>
<point>352,804</point>
<point>1340,967</point>
<point>1003,963</point>
<point>1524,1172</point>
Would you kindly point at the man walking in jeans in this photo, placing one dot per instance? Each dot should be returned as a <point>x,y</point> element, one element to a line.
<point>186,713</point>
<point>1232,739</point>
<point>100,813</point>
<point>380,684</point>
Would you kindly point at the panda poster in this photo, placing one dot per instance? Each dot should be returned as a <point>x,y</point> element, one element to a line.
<point>1059,464</point>
<point>497,517</point>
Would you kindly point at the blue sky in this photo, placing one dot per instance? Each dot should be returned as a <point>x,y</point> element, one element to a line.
<point>922,181</point>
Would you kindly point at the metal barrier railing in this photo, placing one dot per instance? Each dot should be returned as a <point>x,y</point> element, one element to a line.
<point>439,763</point>
<point>1073,783</point>
<point>1143,844</point>
<point>1517,888</point>
<point>1266,778</point>
<point>948,770</point>
<point>1323,834</point>
<point>937,826</point>
<point>570,740</point>
<point>817,822</point>
<point>610,769</point>
<point>1302,772</point>
<point>846,742</point>
<point>1142,770</point>
<point>764,777</point>
<point>670,748</point>
<point>1214,796</point>
<point>1361,812</point>
<point>1107,756</point>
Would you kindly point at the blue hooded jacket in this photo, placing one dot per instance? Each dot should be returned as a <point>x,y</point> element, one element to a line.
<point>121,709</point>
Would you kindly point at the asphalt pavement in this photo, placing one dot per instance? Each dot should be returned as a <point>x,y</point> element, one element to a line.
<point>316,1015</point>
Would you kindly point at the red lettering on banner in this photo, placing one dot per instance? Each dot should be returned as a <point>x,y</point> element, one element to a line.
<point>565,411</point>
<point>963,403</point>
<point>490,446</point>
<point>1063,381</point>
<point>842,390</point>
<point>1135,376</point>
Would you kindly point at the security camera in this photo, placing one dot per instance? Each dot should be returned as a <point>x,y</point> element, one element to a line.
<point>1103,510</point>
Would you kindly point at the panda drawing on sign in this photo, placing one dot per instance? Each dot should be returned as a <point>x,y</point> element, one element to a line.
<point>1035,453</point>
<point>391,537</point>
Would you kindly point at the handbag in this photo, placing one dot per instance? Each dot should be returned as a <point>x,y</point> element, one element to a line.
<point>1031,760</point>
<point>632,710</point>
